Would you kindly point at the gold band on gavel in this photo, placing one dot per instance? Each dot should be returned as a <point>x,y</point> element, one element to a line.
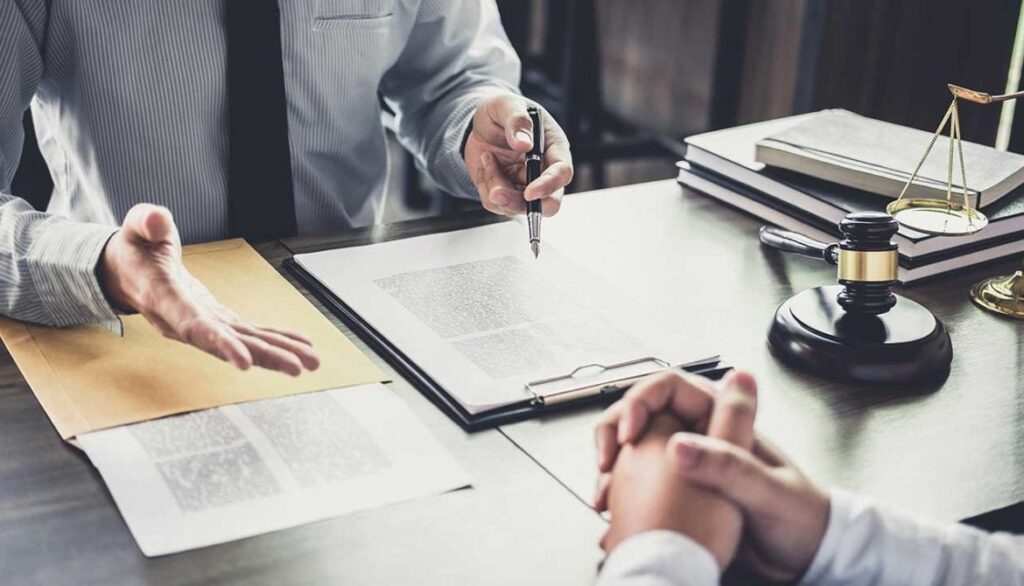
<point>868,265</point>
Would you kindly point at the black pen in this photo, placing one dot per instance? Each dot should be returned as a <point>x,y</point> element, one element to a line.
<point>534,160</point>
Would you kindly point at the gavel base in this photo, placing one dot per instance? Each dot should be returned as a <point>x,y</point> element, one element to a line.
<point>905,345</point>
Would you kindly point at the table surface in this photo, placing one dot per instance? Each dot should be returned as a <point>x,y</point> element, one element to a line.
<point>948,453</point>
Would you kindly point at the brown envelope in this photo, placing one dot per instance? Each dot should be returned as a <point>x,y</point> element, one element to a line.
<point>87,378</point>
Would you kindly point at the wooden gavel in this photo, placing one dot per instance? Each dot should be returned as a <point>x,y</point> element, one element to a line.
<point>866,257</point>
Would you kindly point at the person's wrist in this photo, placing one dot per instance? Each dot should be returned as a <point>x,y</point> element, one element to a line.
<point>713,523</point>
<point>818,504</point>
<point>112,279</point>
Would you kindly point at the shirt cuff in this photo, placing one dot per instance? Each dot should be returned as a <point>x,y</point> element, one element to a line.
<point>62,261</point>
<point>838,519</point>
<point>660,558</point>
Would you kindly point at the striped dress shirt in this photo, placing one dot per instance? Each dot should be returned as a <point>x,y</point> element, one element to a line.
<point>129,103</point>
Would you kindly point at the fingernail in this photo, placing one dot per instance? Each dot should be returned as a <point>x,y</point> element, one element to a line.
<point>499,198</point>
<point>741,382</point>
<point>687,454</point>
<point>524,136</point>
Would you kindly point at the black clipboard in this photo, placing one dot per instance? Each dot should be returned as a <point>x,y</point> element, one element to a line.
<point>710,367</point>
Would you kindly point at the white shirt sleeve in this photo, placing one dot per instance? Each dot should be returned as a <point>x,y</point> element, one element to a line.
<point>865,544</point>
<point>47,263</point>
<point>659,558</point>
<point>457,55</point>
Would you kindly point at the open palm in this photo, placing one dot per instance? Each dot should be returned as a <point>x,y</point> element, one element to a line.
<point>142,271</point>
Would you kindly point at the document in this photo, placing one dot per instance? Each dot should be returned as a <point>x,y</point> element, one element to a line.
<point>481,316</point>
<point>87,378</point>
<point>208,477</point>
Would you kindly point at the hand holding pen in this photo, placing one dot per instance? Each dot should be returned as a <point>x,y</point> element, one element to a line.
<point>495,151</point>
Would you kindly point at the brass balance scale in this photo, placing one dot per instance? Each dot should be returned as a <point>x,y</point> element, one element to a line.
<point>1002,294</point>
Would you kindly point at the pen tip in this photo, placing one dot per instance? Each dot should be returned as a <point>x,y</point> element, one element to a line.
<point>535,247</point>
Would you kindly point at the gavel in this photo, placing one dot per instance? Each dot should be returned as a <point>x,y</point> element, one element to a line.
<point>868,260</point>
<point>858,330</point>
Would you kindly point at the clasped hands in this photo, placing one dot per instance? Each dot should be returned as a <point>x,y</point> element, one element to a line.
<point>679,453</point>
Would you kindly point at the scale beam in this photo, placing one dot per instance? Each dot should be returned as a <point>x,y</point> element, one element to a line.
<point>981,97</point>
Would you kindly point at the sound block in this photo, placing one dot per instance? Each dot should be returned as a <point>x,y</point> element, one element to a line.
<point>906,344</point>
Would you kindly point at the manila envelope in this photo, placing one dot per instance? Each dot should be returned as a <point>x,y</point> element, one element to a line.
<point>87,378</point>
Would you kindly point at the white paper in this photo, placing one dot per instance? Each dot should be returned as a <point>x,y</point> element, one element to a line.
<point>480,315</point>
<point>213,476</point>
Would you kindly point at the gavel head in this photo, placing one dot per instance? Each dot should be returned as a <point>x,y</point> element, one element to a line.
<point>868,262</point>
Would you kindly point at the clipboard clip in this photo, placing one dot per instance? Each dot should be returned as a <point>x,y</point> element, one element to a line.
<point>592,380</point>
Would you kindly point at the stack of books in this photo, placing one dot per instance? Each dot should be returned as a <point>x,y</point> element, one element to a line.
<point>805,173</point>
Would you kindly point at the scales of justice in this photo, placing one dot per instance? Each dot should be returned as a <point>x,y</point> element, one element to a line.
<point>1002,294</point>
<point>859,329</point>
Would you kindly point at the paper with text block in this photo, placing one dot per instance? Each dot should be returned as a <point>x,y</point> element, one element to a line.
<point>213,476</point>
<point>482,317</point>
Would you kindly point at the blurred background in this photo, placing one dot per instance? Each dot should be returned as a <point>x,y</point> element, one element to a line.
<point>629,79</point>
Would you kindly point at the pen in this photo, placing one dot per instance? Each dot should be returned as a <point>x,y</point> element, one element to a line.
<point>534,160</point>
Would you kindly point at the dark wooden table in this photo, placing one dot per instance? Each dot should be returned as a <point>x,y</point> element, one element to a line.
<point>949,453</point>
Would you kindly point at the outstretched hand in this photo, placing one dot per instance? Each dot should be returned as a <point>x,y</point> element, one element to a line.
<point>141,270</point>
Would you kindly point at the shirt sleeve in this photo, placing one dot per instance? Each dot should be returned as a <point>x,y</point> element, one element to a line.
<point>659,558</point>
<point>865,544</point>
<point>456,55</point>
<point>47,263</point>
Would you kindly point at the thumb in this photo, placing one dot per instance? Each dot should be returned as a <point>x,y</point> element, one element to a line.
<point>506,123</point>
<point>725,468</point>
<point>151,223</point>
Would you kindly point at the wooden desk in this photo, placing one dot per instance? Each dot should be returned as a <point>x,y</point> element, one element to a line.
<point>949,453</point>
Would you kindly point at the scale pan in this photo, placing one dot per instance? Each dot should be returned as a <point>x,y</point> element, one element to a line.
<point>937,216</point>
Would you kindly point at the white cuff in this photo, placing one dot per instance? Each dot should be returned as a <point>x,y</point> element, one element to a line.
<point>62,262</point>
<point>863,545</point>
<point>659,558</point>
<point>838,519</point>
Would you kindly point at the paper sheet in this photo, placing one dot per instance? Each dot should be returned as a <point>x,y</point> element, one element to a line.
<point>87,378</point>
<point>480,315</point>
<point>213,476</point>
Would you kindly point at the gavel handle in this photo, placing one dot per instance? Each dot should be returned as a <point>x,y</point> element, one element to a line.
<point>787,241</point>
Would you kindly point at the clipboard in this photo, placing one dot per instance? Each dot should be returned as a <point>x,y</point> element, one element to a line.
<point>587,385</point>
